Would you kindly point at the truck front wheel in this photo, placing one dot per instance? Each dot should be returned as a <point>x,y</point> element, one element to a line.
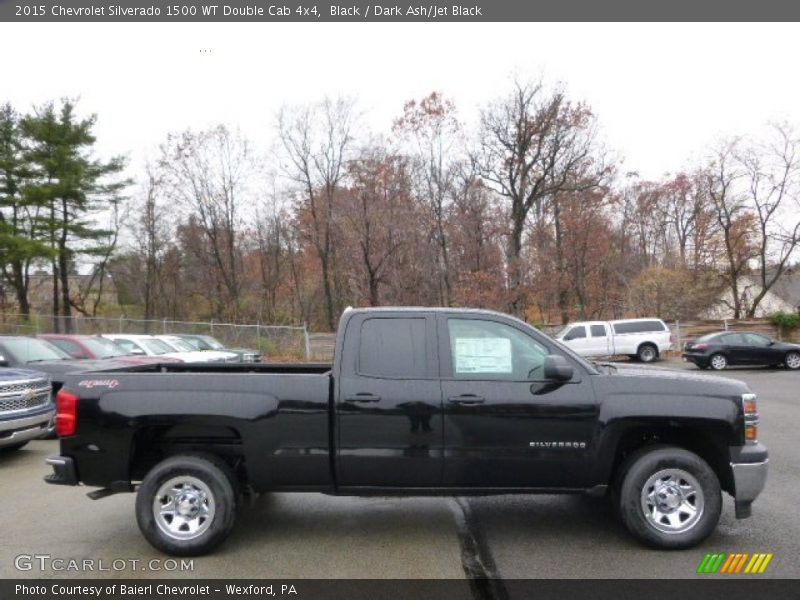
<point>186,505</point>
<point>669,498</point>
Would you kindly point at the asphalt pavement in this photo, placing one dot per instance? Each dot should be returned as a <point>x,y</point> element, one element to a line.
<point>291,536</point>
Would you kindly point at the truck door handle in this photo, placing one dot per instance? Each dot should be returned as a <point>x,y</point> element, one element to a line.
<point>363,398</point>
<point>467,399</point>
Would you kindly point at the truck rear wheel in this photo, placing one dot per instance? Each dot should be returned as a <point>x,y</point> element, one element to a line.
<point>647,353</point>
<point>669,498</point>
<point>186,505</point>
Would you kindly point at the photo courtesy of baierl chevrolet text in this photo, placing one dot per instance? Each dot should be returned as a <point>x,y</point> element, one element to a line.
<point>485,300</point>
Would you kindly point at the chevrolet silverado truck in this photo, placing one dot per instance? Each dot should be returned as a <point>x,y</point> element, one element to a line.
<point>418,401</point>
<point>26,408</point>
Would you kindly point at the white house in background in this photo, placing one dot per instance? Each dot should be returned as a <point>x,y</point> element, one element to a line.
<point>748,288</point>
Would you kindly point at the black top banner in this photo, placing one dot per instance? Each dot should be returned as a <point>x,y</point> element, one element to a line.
<point>388,11</point>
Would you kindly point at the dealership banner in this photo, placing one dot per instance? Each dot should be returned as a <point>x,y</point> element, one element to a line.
<point>390,11</point>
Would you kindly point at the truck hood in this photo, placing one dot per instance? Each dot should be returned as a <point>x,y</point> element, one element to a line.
<point>10,374</point>
<point>663,377</point>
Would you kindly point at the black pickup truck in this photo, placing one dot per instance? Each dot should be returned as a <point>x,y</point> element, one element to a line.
<point>417,401</point>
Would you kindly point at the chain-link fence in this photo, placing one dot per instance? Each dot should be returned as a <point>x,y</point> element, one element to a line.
<point>275,342</point>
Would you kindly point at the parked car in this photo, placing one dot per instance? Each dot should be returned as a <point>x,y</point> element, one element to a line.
<point>20,352</point>
<point>642,339</point>
<point>719,350</point>
<point>149,345</point>
<point>207,342</point>
<point>26,407</point>
<point>180,345</point>
<point>96,346</point>
<point>417,401</point>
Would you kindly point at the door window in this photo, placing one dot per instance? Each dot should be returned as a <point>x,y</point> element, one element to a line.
<point>490,350</point>
<point>598,330</point>
<point>393,347</point>
<point>577,332</point>
<point>754,339</point>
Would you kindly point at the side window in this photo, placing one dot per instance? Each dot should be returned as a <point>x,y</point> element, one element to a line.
<point>393,347</point>
<point>127,345</point>
<point>598,330</point>
<point>489,350</point>
<point>733,339</point>
<point>577,332</point>
<point>67,346</point>
<point>754,339</point>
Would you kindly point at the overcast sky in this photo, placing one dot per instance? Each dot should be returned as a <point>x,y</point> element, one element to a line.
<point>662,91</point>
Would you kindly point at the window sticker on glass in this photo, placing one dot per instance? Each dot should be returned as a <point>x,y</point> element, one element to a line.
<point>483,355</point>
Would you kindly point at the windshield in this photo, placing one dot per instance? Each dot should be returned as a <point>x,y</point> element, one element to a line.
<point>179,345</point>
<point>154,346</point>
<point>211,342</point>
<point>103,348</point>
<point>33,350</point>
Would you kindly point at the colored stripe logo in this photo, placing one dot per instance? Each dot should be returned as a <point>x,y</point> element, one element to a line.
<point>735,563</point>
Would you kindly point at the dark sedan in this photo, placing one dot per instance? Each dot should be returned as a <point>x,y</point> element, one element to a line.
<point>719,350</point>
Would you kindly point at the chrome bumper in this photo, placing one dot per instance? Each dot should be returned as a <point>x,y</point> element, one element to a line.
<point>749,479</point>
<point>749,465</point>
<point>16,431</point>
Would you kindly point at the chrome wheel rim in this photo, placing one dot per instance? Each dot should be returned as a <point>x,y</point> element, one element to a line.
<point>793,360</point>
<point>672,501</point>
<point>184,508</point>
<point>719,362</point>
<point>647,354</point>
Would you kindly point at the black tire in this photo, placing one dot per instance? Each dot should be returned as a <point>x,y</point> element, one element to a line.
<point>682,466</point>
<point>647,353</point>
<point>792,360</point>
<point>205,481</point>
<point>718,362</point>
<point>12,448</point>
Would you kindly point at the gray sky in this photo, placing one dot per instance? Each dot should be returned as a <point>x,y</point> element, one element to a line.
<point>662,91</point>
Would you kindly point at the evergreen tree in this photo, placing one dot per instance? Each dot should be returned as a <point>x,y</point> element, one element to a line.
<point>20,245</point>
<point>72,187</point>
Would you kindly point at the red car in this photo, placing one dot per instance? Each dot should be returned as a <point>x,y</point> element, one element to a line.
<point>95,346</point>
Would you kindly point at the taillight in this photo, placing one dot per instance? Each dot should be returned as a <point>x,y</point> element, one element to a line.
<point>751,419</point>
<point>700,346</point>
<point>66,413</point>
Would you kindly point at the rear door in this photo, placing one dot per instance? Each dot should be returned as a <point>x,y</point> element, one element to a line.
<point>599,340</point>
<point>389,404</point>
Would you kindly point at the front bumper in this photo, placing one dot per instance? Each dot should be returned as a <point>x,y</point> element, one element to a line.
<point>749,466</point>
<point>64,472</point>
<point>25,428</point>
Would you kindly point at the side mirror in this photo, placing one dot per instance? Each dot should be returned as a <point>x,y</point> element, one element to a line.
<point>3,361</point>
<point>557,368</point>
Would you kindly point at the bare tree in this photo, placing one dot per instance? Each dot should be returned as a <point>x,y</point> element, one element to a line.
<point>772,172</point>
<point>533,144</point>
<point>733,217</point>
<point>432,127</point>
<point>208,173</point>
<point>316,142</point>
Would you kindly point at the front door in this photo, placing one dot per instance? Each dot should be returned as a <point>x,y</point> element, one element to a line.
<point>389,404</point>
<point>505,425</point>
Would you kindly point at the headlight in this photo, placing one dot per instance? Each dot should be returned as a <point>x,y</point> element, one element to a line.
<point>751,417</point>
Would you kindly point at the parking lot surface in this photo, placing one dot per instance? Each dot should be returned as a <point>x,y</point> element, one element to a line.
<point>317,536</point>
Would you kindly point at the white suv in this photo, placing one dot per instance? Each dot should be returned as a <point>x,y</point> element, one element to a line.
<point>643,339</point>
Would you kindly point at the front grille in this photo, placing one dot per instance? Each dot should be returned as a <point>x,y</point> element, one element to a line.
<point>26,395</point>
